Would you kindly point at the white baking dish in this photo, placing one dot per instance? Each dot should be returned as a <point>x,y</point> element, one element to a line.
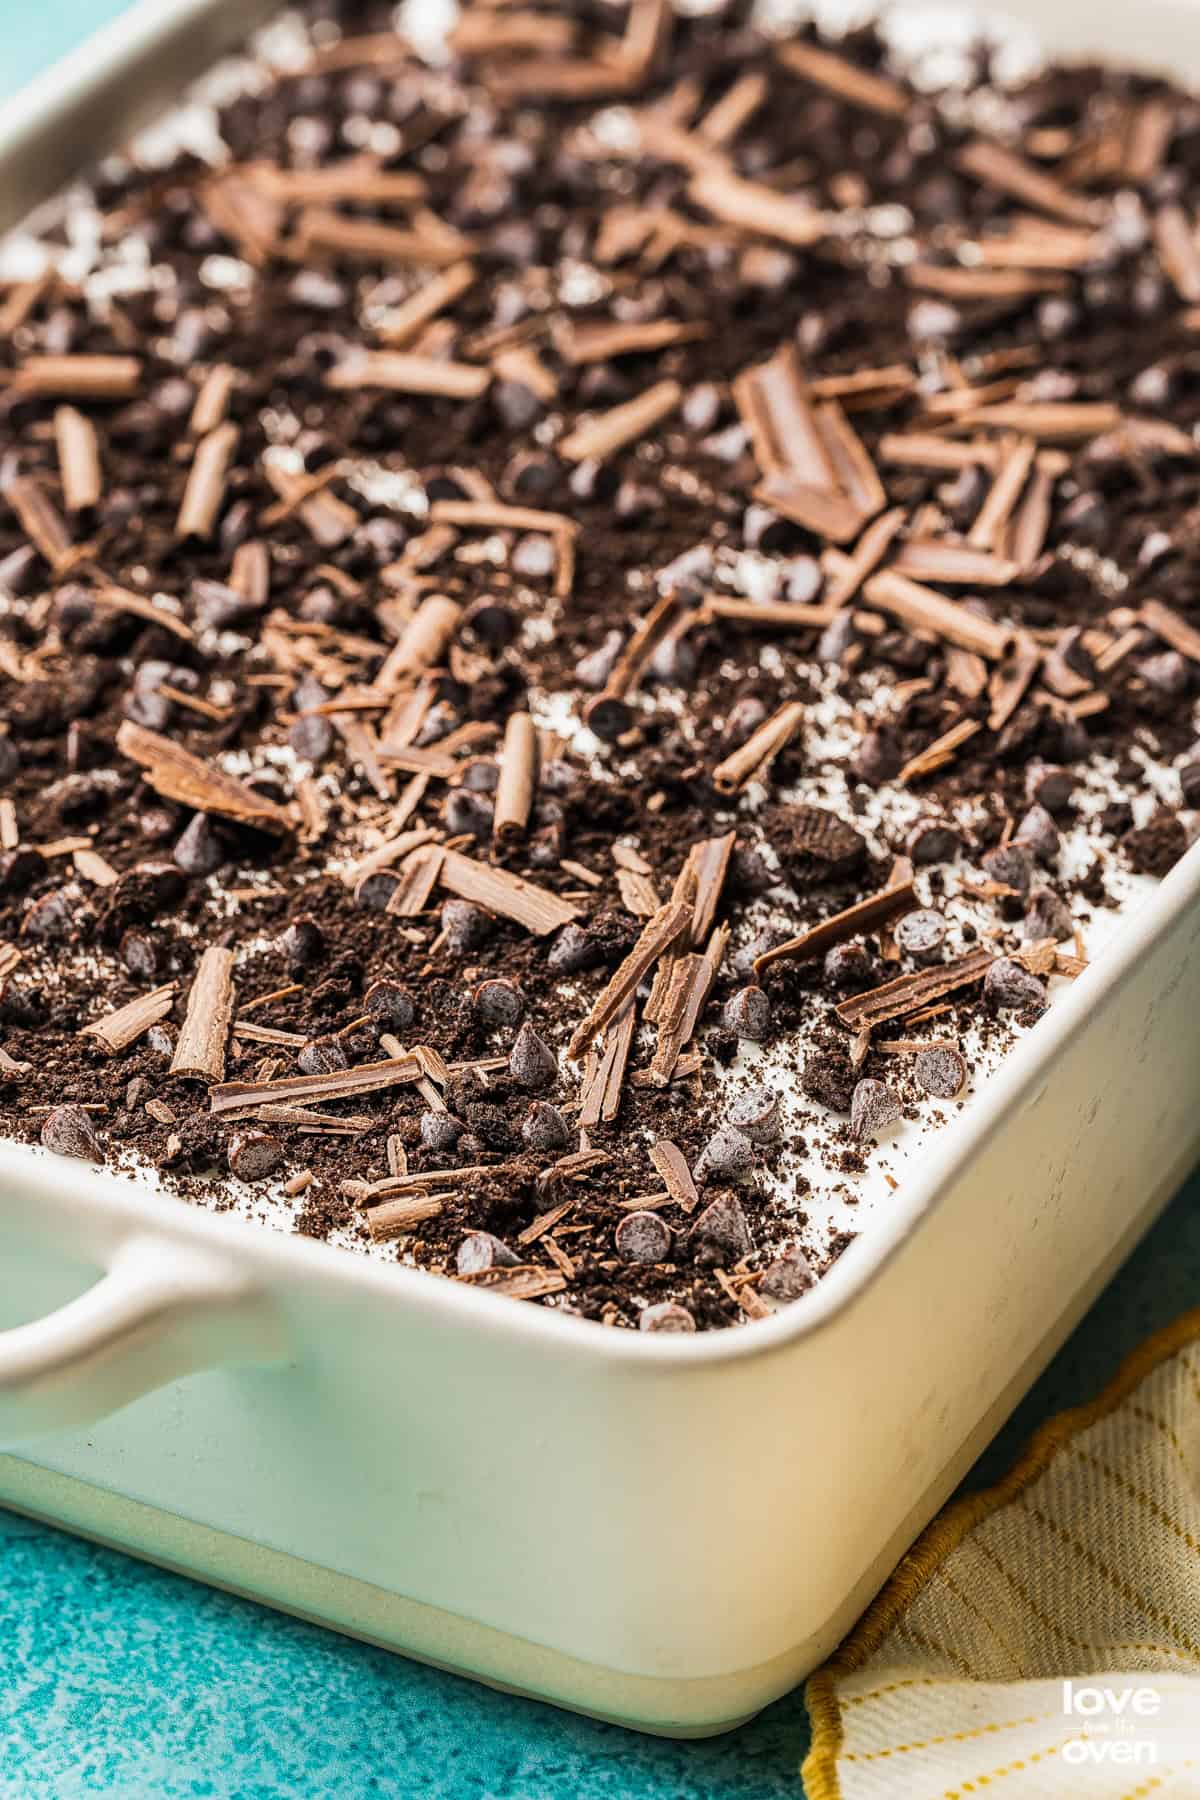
<point>665,1532</point>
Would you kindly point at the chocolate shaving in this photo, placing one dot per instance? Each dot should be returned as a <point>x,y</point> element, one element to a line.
<point>419,875</point>
<point>1050,421</point>
<point>40,520</point>
<point>178,775</point>
<point>205,490</point>
<point>492,514</point>
<point>752,206</point>
<point>397,1217</point>
<point>212,402</point>
<point>865,915</point>
<point>518,778</point>
<point>751,760</point>
<point>671,1164</point>
<point>406,321</point>
<point>991,522</point>
<point>423,644</point>
<point>402,372</point>
<point>1178,251</point>
<point>200,1050</point>
<point>923,610</point>
<point>516,1284</point>
<point>940,752</point>
<point>330,520</point>
<point>538,910</point>
<point>1010,681</point>
<point>958,565</point>
<point>775,406</point>
<point>957,283</point>
<point>845,79</point>
<point>119,599</point>
<point>852,570</point>
<point>1007,172</point>
<point>907,993</point>
<point>1174,630</point>
<point>78,458</point>
<point>339,1084</point>
<point>599,341</point>
<point>786,615</point>
<point>433,246</point>
<point>1031,522</point>
<point>621,425</point>
<point>604,1074</point>
<point>117,1030</point>
<point>656,936</point>
<point>79,377</point>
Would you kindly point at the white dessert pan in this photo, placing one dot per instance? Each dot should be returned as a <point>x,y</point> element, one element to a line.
<point>666,1532</point>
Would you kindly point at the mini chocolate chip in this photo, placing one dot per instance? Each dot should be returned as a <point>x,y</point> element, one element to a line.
<point>1046,916</point>
<point>642,1237</point>
<point>933,841</point>
<point>1038,832</point>
<point>139,954</point>
<point>727,1156</point>
<point>311,737</point>
<point>68,1131</point>
<point>721,1233</point>
<point>849,968</point>
<point>873,1107</point>
<point>1050,786</point>
<point>482,1251</point>
<point>498,1002</point>
<point>941,1072</point>
<point>466,811</point>
<point>544,1128</point>
<point>748,1012</point>
<point>664,1315</point>
<point>573,950</point>
<point>303,943</point>
<point>321,1056</point>
<point>789,1276</point>
<point>253,1155</point>
<point>199,850</point>
<point>609,716</point>
<point>51,920</point>
<point>493,623</point>
<point>921,935</point>
<point>391,1005</point>
<point>1010,864</point>
<point>755,1114</point>
<point>481,775</point>
<point>1008,986</point>
<point>440,1131</point>
<point>1168,673</point>
<point>1189,783</point>
<point>518,406</point>
<point>531,1062</point>
<point>464,925</point>
<point>744,959</point>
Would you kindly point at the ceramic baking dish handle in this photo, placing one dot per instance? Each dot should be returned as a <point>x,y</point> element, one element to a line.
<point>159,1312</point>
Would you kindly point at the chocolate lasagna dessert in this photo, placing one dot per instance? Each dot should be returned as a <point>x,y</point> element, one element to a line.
<point>599,604</point>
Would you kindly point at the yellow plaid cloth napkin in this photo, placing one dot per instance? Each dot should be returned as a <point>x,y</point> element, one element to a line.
<point>1042,1638</point>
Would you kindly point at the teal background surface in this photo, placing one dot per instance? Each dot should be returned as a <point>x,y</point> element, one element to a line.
<point>119,1680</point>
